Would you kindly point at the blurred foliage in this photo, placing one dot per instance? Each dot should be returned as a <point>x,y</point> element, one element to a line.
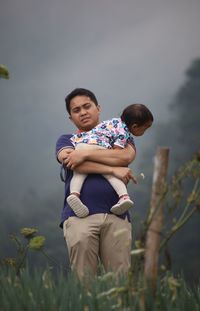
<point>179,201</point>
<point>43,291</point>
<point>4,73</point>
<point>31,242</point>
<point>28,232</point>
<point>183,196</point>
<point>37,242</point>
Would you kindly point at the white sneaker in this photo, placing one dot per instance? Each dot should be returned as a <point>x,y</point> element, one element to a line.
<point>77,206</point>
<point>122,206</point>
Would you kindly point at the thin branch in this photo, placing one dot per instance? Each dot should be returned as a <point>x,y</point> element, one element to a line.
<point>176,228</point>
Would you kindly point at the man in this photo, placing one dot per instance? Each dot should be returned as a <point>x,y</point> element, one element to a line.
<point>101,234</point>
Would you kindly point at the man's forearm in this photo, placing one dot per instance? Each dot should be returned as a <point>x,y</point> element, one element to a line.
<point>89,167</point>
<point>123,173</point>
<point>112,157</point>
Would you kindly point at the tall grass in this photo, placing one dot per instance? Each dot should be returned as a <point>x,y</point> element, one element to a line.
<point>42,291</point>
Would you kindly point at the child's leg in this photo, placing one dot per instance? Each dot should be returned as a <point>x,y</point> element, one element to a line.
<point>124,202</point>
<point>76,184</point>
<point>73,199</point>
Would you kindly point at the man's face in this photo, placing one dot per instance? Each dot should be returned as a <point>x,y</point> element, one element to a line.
<point>84,113</point>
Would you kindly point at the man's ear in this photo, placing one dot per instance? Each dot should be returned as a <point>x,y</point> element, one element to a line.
<point>69,116</point>
<point>99,108</point>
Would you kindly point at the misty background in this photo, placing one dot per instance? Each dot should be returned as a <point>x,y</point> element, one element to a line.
<point>125,52</point>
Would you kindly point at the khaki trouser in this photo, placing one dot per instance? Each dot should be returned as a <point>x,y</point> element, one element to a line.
<point>103,236</point>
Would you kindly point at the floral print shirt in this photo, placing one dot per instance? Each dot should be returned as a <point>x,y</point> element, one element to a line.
<point>107,134</point>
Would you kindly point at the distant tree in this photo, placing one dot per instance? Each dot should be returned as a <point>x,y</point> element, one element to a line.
<point>182,131</point>
<point>186,106</point>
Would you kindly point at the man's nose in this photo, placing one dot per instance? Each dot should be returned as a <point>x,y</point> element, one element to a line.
<point>83,112</point>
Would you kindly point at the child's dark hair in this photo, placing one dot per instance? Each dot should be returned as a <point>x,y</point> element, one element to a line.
<point>79,92</point>
<point>136,114</point>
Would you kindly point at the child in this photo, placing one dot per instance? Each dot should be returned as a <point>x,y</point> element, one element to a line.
<point>135,120</point>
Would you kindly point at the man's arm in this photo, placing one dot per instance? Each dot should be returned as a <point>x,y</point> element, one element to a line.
<point>111,157</point>
<point>63,154</point>
<point>123,173</point>
<point>89,167</point>
<point>114,157</point>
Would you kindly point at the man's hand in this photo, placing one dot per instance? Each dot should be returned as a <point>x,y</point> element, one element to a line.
<point>124,173</point>
<point>63,154</point>
<point>74,158</point>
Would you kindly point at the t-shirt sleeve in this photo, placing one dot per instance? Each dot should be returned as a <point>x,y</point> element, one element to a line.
<point>63,142</point>
<point>120,135</point>
<point>131,142</point>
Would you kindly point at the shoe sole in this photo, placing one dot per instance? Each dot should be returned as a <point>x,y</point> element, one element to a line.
<point>121,208</point>
<point>77,206</point>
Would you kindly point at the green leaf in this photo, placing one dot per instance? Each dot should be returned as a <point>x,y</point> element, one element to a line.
<point>28,232</point>
<point>37,242</point>
<point>4,73</point>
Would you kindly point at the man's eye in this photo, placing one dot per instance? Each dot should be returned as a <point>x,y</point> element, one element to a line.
<point>87,106</point>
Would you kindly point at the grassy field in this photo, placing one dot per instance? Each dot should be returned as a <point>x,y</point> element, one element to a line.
<point>42,290</point>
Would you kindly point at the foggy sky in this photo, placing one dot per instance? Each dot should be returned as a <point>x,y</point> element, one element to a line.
<point>124,51</point>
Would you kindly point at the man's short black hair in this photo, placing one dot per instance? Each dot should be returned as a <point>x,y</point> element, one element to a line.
<point>79,92</point>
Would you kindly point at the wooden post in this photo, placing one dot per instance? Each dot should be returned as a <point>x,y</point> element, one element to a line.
<point>155,217</point>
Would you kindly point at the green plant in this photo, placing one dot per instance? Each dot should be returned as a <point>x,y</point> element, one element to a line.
<point>31,242</point>
<point>43,291</point>
<point>4,73</point>
<point>181,196</point>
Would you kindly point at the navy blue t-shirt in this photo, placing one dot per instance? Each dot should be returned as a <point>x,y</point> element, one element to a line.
<point>97,193</point>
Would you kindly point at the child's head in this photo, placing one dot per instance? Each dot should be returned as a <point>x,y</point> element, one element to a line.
<point>138,118</point>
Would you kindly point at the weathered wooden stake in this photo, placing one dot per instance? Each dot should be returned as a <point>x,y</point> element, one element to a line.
<point>156,217</point>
